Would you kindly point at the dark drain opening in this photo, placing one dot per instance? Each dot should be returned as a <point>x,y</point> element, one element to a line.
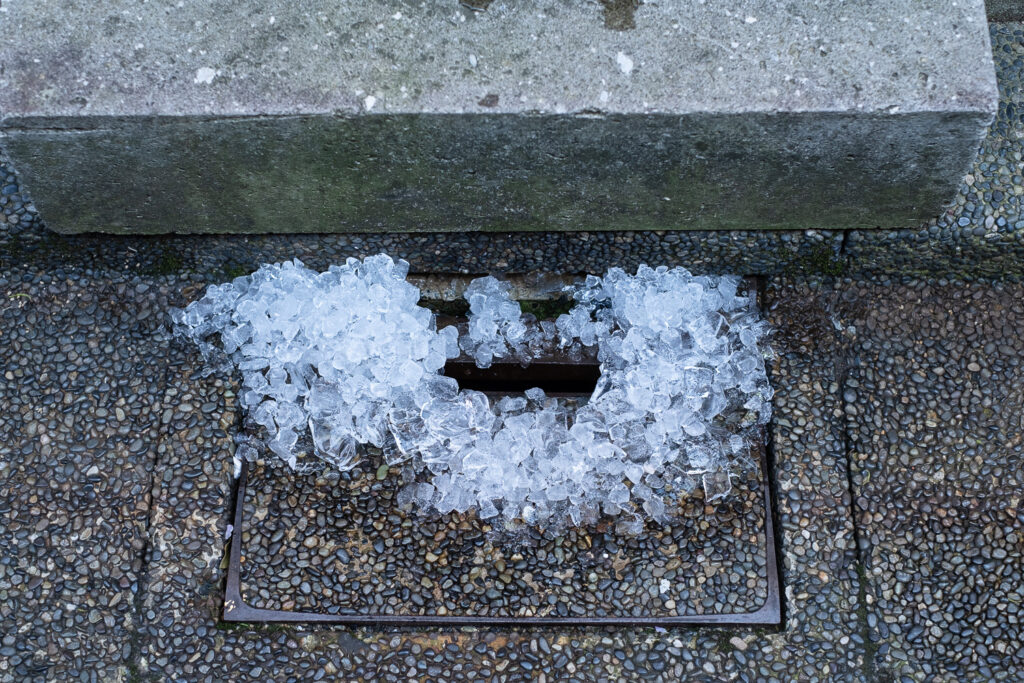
<point>556,379</point>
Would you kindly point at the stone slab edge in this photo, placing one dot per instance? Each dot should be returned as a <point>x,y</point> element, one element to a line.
<point>497,172</point>
<point>1005,10</point>
<point>668,125</point>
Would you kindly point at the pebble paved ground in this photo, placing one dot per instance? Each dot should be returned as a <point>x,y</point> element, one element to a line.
<point>935,418</point>
<point>83,377</point>
<point>328,543</point>
<point>898,452</point>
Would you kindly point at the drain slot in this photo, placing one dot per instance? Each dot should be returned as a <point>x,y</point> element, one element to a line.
<point>556,379</point>
<point>715,564</point>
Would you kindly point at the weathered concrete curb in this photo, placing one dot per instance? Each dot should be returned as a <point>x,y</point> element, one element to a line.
<point>314,117</point>
<point>426,173</point>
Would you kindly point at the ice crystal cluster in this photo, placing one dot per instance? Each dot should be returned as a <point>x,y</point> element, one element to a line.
<point>335,360</point>
<point>497,327</point>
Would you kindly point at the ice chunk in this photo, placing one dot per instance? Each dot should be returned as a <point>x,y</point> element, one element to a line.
<point>497,327</point>
<point>716,485</point>
<point>346,358</point>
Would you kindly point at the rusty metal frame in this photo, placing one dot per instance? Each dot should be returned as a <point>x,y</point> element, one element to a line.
<point>236,609</point>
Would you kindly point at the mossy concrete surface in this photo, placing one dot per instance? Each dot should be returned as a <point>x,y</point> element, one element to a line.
<point>318,116</point>
<point>428,173</point>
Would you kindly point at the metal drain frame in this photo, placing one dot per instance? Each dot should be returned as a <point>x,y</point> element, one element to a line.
<point>236,609</point>
<point>558,377</point>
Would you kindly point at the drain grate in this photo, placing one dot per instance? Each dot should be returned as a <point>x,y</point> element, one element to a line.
<point>334,549</point>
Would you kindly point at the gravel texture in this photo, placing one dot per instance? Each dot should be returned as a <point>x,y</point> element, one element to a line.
<point>82,384</point>
<point>180,638</point>
<point>223,257</point>
<point>823,638</point>
<point>338,544</point>
<point>934,405</point>
<point>856,361</point>
<point>935,594</point>
<point>166,625</point>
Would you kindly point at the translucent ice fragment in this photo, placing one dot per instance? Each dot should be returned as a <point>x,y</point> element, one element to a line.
<point>717,485</point>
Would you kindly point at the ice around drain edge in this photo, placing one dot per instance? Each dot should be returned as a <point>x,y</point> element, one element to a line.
<point>334,361</point>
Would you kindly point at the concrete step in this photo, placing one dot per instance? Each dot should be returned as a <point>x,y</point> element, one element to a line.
<point>315,116</point>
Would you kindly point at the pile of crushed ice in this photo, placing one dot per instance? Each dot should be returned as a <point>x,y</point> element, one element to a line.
<point>334,360</point>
